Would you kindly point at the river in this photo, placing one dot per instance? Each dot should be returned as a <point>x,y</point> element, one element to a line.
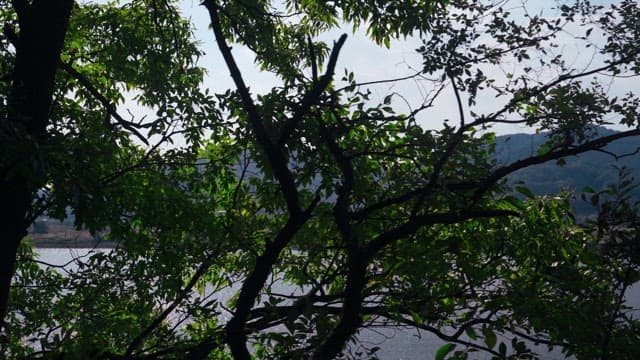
<point>394,343</point>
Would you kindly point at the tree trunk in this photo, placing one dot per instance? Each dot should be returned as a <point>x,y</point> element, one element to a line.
<point>351,317</point>
<point>43,25</point>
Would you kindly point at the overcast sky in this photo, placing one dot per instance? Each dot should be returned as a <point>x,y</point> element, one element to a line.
<point>371,62</point>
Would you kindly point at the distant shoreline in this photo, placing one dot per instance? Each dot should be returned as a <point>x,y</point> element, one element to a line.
<point>57,235</point>
<point>69,244</point>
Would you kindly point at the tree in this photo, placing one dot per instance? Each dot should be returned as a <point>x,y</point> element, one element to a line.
<point>372,219</point>
<point>26,109</point>
<point>65,70</point>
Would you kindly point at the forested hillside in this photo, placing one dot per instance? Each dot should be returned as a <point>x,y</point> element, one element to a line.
<point>594,169</point>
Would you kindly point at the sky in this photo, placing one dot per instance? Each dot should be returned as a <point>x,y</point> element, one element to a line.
<point>371,62</point>
<point>368,61</point>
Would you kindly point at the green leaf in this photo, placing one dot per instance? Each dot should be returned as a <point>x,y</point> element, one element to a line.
<point>514,202</point>
<point>471,333</point>
<point>525,191</point>
<point>489,337</point>
<point>502,349</point>
<point>416,318</point>
<point>444,350</point>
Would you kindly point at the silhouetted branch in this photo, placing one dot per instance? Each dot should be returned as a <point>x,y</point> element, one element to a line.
<point>186,291</point>
<point>108,105</point>
<point>313,96</point>
<point>502,172</point>
<point>274,154</point>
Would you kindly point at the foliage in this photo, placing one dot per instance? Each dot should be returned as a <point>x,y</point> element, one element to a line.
<point>596,169</point>
<point>323,210</point>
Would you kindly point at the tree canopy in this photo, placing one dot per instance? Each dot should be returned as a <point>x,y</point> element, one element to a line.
<point>363,215</point>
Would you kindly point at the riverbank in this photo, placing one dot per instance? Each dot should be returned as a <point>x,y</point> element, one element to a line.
<point>58,235</point>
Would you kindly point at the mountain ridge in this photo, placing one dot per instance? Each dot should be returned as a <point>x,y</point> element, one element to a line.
<point>593,169</point>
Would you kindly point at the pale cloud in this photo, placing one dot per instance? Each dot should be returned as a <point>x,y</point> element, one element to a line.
<point>371,62</point>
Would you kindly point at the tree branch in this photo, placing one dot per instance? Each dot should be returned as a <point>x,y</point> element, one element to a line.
<point>276,159</point>
<point>419,221</point>
<point>235,329</point>
<point>533,92</point>
<point>458,99</point>
<point>502,172</point>
<point>202,269</point>
<point>350,317</point>
<point>313,95</point>
<point>108,105</point>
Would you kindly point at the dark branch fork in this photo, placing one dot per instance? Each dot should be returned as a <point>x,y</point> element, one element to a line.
<point>353,294</point>
<point>275,156</point>
<point>311,98</point>
<point>235,329</point>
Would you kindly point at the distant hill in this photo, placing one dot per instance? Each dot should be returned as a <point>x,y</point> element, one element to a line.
<point>593,169</point>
